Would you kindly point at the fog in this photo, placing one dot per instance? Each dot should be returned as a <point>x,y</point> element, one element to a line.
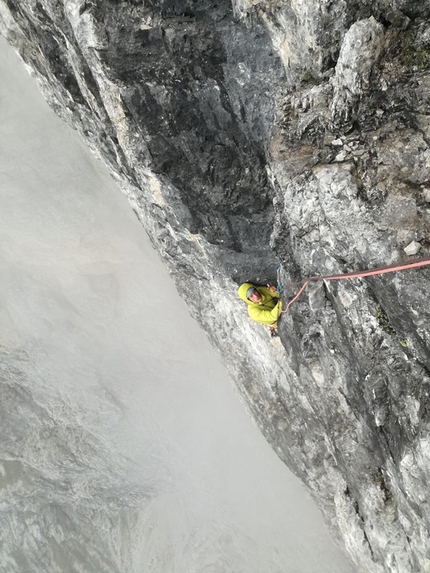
<point>124,446</point>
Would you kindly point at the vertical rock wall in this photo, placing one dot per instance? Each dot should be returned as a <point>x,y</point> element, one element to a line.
<point>253,132</point>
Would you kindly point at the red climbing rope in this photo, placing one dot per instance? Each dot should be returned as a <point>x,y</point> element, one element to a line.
<point>370,272</point>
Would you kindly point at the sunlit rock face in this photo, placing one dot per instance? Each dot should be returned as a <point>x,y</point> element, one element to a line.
<point>248,133</point>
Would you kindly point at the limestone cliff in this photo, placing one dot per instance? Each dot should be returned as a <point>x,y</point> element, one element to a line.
<point>250,132</point>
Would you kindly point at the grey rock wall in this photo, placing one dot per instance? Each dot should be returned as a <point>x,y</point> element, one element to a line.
<point>253,132</point>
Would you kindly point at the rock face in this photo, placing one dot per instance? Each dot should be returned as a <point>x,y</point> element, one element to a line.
<point>279,130</point>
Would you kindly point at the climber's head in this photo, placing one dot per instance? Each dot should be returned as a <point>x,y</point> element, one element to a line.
<point>253,295</point>
<point>249,293</point>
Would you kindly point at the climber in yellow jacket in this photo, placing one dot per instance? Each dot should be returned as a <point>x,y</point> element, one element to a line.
<point>264,304</point>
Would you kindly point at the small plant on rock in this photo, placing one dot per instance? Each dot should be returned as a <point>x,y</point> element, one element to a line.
<point>384,321</point>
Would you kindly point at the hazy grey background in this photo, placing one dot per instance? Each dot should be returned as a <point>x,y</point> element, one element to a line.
<point>123,445</point>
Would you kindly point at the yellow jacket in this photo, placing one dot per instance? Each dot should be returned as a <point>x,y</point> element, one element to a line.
<point>268,310</point>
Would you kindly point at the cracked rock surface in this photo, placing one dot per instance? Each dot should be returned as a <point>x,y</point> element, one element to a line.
<point>253,132</point>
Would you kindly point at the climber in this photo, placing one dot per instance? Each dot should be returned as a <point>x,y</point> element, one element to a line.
<point>264,304</point>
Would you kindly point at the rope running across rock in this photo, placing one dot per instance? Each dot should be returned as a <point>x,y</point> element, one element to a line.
<point>360,274</point>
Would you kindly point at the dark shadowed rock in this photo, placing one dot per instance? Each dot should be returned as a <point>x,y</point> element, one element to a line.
<point>253,132</point>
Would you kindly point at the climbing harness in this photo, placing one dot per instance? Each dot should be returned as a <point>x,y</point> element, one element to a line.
<point>367,273</point>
